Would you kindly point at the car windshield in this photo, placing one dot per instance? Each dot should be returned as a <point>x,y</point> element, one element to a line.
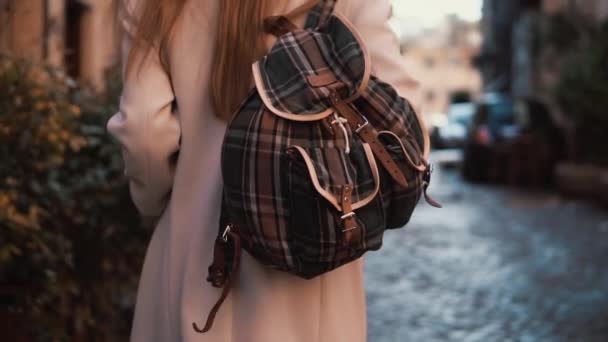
<point>461,113</point>
<point>501,113</point>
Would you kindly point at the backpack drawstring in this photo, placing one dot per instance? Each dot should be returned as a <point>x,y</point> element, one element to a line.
<point>340,121</point>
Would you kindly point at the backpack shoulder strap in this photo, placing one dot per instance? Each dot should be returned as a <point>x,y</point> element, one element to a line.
<point>320,14</point>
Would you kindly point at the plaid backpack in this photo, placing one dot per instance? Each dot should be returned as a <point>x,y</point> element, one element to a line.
<point>321,158</point>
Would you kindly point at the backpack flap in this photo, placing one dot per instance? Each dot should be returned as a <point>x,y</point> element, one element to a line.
<point>327,170</point>
<point>296,78</point>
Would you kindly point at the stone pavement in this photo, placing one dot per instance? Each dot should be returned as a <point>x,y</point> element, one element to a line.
<point>495,264</point>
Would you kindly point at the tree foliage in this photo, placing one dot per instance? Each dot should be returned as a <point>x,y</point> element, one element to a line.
<point>71,244</point>
<point>582,87</point>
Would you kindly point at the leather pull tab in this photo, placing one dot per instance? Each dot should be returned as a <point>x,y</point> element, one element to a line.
<point>430,200</point>
<point>217,271</point>
<point>228,280</point>
<point>426,181</point>
<point>350,228</point>
<point>323,79</point>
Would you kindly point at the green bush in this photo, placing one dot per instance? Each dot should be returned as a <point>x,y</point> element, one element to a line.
<point>71,245</point>
<point>582,88</point>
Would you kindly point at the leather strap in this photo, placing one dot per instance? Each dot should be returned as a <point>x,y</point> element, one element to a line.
<point>219,279</point>
<point>429,199</point>
<point>217,271</point>
<point>283,24</point>
<point>426,180</point>
<point>369,134</point>
<point>350,223</point>
<point>278,25</point>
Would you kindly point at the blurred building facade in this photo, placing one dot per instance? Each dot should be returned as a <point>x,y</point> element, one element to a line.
<point>495,59</point>
<point>594,8</point>
<point>441,60</point>
<point>77,35</point>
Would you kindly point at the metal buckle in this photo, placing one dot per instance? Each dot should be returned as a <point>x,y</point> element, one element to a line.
<point>426,178</point>
<point>225,233</point>
<point>363,125</point>
<point>345,216</point>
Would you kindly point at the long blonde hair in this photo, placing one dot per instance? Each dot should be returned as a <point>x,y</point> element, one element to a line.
<point>238,42</point>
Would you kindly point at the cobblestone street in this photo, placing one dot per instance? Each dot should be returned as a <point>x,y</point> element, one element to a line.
<point>495,264</point>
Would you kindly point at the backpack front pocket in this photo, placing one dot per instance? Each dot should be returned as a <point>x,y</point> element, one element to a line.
<point>313,183</point>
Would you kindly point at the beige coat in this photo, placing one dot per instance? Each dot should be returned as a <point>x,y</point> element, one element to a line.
<point>265,305</point>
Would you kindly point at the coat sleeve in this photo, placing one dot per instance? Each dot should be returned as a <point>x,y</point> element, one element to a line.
<point>371,19</point>
<point>148,130</point>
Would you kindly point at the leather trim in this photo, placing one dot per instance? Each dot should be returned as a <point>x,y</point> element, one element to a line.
<point>421,167</point>
<point>331,197</point>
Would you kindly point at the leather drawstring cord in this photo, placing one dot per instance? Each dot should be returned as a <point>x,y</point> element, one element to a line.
<point>217,272</point>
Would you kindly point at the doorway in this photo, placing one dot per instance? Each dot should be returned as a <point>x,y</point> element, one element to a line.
<point>75,11</point>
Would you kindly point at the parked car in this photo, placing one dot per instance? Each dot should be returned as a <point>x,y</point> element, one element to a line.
<point>492,123</point>
<point>453,133</point>
<point>434,121</point>
<point>511,140</point>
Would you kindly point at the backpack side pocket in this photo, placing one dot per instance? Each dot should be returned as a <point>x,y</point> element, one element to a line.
<point>400,201</point>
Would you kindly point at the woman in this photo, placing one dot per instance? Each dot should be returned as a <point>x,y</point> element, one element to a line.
<point>178,94</point>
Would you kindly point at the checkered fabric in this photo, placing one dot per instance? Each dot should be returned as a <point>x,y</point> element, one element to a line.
<point>287,155</point>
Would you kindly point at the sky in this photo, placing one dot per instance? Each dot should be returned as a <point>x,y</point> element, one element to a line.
<point>414,15</point>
